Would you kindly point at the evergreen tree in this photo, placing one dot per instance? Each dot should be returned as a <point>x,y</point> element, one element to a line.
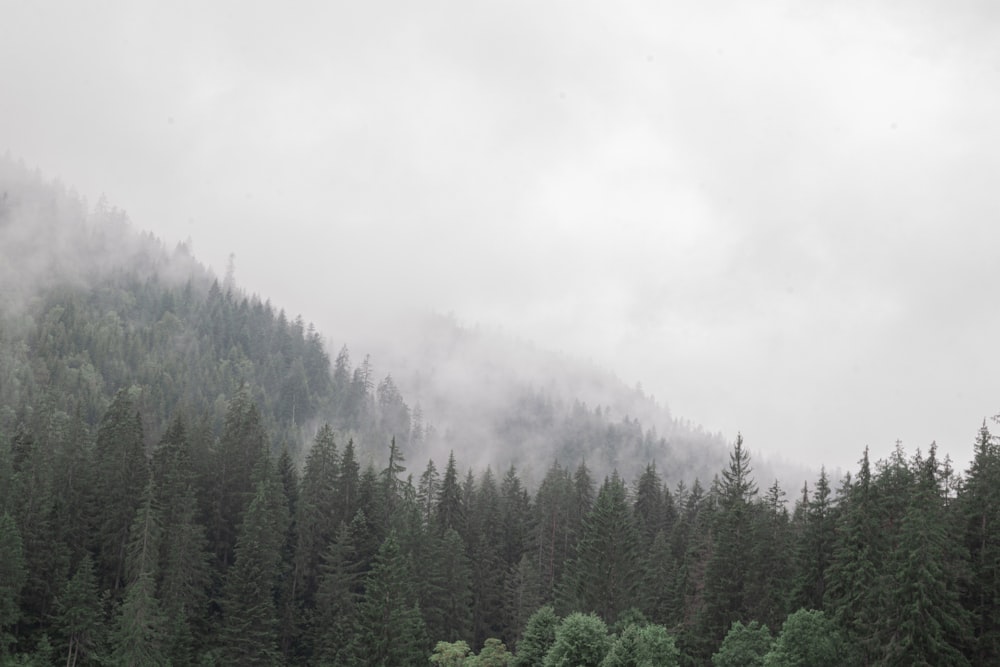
<point>728,569</point>
<point>348,491</point>
<point>427,492</point>
<point>553,532</point>
<point>241,449</point>
<point>650,506</point>
<point>814,548</point>
<point>317,506</point>
<point>642,646</point>
<point>388,628</point>
<point>606,572</point>
<point>487,566</point>
<point>12,577</point>
<point>80,617</point>
<point>538,638</point>
<point>121,461</point>
<point>250,623</point>
<point>184,573</point>
<point>771,555</point>
<point>450,509</point>
<point>809,638</point>
<point>138,636</point>
<point>978,510</point>
<point>581,641</point>
<point>744,646</point>
<point>336,599</point>
<point>522,596</point>
<point>854,577</point>
<point>925,623</point>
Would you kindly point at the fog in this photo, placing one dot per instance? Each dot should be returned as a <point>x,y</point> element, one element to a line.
<point>778,219</point>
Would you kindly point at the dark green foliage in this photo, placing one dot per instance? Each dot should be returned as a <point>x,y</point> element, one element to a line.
<point>317,514</point>
<point>80,616</point>
<point>121,458</point>
<point>388,629</point>
<point>808,638</point>
<point>241,449</point>
<point>744,646</point>
<point>854,579</point>
<point>493,654</point>
<point>814,546</point>
<point>250,624</point>
<point>729,572</point>
<point>642,646</point>
<point>581,641</point>
<point>924,623</point>
<point>539,636</point>
<point>12,577</point>
<point>138,634</point>
<point>977,511</point>
<point>336,599</point>
<point>605,574</point>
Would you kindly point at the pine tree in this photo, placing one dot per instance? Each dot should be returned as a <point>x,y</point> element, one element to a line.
<point>487,566</point>
<point>854,577</point>
<point>771,554</point>
<point>12,577</point>
<point>388,627</point>
<point>450,509</point>
<point>80,617</point>
<point>978,510</point>
<point>250,623</point>
<point>650,509</point>
<point>123,474</point>
<point>538,638</point>
<point>240,451</point>
<point>728,571</point>
<point>604,576</point>
<point>138,636</point>
<point>814,548</point>
<point>336,599</point>
<point>581,641</point>
<point>926,625</point>
<point>553,507</point>
<point>317,506</point>
<point>522,596</point>
<point>184,572</point>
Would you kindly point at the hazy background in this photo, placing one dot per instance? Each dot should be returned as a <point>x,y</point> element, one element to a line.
<point>779,217</point>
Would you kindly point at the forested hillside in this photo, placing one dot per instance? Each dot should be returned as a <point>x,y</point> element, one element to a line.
<point>189,476</point>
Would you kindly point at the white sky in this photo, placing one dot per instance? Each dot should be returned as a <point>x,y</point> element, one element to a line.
<point>779,217</point>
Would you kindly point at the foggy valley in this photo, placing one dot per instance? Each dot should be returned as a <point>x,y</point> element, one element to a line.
<point>499,335</point>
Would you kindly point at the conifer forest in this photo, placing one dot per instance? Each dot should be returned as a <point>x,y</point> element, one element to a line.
<point>190,477</point>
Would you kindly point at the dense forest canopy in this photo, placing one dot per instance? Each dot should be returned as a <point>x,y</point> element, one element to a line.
<point>190,476</point>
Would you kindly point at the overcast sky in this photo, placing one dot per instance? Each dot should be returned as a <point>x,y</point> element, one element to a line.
<point>779,217</point>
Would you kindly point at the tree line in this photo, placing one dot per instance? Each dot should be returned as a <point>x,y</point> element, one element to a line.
<point>217,550</point>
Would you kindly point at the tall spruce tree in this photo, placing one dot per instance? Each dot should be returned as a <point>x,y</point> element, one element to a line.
<point>814,547</point>
<point>138,637</point>
<point>13,574</point>
<point>249,633</point>
<point>729,572</point>
<point>388,628</point>
<point>123,472</point>
<point>924,623</point>
<point>854,590</point>
<point>606,572</point>
<point>978,511</point>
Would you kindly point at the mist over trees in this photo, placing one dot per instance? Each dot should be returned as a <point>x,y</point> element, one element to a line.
<point>189,476</point>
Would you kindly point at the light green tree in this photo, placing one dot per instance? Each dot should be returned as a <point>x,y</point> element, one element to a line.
<point>581,641</point>
<point>744,646</point>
